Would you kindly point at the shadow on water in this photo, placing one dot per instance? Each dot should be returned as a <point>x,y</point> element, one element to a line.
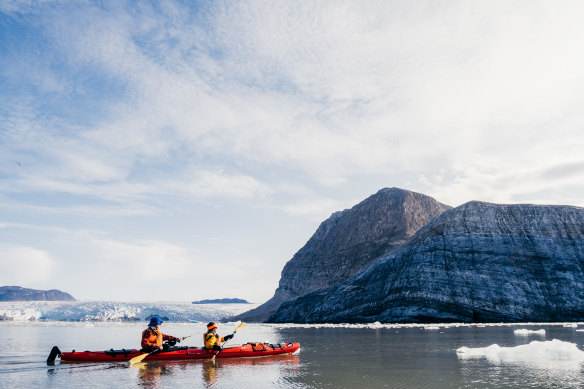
<point>70,368</point>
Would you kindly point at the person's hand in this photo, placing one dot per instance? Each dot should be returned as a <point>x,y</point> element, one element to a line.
<point>161,347</point>
<point>228,337</point>
<point>178,339</point>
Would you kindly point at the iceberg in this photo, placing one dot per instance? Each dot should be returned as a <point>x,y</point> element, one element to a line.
<point>541,354</point>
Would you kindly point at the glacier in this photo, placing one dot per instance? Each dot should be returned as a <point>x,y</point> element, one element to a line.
<point>113,311</point>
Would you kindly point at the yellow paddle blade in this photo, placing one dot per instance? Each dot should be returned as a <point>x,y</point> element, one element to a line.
<point>139,358</point>
<point>240,326</point>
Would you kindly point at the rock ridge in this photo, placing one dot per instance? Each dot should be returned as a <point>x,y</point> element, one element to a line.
<point>17,293</point>
<point>479,262</point>
<point>348,242</point>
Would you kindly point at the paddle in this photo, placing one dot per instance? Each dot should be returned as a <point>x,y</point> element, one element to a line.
<point>239,326</point>
<point>141,357</point>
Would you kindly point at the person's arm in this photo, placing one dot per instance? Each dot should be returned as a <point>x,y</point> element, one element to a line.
<point>169,337</point>
<point>225,339</point>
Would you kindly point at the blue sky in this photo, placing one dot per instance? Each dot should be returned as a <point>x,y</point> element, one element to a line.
<point>186,150</point>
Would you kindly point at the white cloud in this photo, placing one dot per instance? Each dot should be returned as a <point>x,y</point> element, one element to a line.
<point>318,210</point>
<point>330,89</point>
<point>25,266</point>
<point>217,184</point>
<point>146,261</point>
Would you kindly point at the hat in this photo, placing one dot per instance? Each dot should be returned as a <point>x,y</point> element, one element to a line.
<point>211,325</point>
<point>155,321</point>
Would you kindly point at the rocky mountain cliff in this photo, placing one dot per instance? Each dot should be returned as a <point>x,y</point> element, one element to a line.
<point>348,242</point>
<point>478,262</point>
<point>16,293</point>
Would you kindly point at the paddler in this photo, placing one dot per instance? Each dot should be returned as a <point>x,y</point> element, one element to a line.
<point>152,338</point>
<point>212,340</point>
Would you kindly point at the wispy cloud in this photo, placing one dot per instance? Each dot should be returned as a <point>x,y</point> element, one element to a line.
<point>331,89</point>
<point>296,108</point>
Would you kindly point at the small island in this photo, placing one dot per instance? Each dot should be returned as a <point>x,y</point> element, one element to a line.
<point>222,301</point>
<point>17,293</point>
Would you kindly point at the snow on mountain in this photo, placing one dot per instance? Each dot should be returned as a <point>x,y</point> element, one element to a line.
<point>117,311</point>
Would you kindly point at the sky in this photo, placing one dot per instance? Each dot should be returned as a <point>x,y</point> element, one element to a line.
<point>183,150</point>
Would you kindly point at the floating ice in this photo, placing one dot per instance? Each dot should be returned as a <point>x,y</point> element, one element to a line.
<point>524,332</point>
<point>546,354</point>
<point>431,328</point>
<point>378,325</point>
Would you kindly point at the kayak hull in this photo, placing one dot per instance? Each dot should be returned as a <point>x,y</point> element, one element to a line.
<point>182,353</point>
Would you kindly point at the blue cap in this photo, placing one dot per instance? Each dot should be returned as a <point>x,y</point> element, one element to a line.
<point>155,321</point>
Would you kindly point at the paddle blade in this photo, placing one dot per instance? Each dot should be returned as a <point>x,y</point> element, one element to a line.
<point>240,326</point>
<point>139,358</point>
<point>55,352</point>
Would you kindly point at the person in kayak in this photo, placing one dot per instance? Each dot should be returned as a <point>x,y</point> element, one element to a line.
<point>152,338</point>
<point>212,340</point>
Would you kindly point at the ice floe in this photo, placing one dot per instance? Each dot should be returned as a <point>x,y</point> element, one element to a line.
<point>525,332</point>
<point>542,354</point>
<point>441,326</point>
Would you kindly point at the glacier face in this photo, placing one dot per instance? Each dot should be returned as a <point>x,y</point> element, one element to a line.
<point>111,311</point>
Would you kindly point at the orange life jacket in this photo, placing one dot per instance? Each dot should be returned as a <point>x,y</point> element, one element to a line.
<point>153,338</point>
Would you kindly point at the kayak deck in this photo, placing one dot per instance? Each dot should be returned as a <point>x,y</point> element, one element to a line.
<point>178,353</point>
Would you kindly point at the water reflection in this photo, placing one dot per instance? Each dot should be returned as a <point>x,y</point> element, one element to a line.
<point>479,373</point>
<point>153,374</point>
<point>149,374</point>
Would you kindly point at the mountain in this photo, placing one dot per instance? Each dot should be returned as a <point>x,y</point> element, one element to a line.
<point>348,242</point>
<point>479,262</point>
<point>16,293</point>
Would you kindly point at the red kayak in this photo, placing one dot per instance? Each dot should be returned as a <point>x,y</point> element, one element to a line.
<point>175,353</point>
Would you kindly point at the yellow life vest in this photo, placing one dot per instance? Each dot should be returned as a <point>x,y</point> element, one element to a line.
<point>210,339</point>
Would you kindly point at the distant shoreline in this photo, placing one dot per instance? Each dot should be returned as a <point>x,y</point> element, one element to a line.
<point>222,301</point>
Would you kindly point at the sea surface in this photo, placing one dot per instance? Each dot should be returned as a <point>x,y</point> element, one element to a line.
<point>331,356</point>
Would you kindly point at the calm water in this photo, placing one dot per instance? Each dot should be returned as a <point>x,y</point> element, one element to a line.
<point>404,357</point>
